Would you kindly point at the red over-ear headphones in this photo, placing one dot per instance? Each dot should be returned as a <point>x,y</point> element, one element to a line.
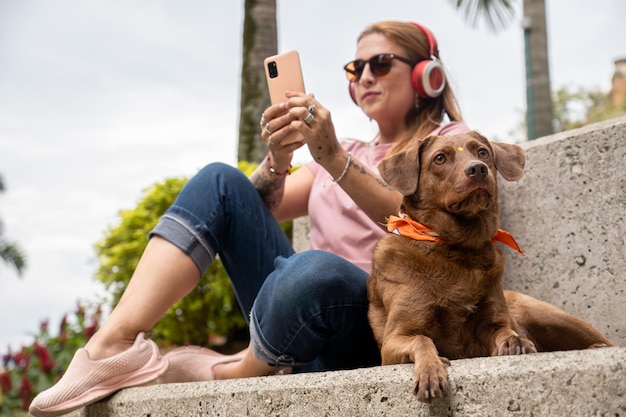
<point>427,77</point>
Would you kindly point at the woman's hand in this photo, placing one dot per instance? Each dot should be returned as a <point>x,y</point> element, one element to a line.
<point>313,122</point>
<point>278,135</point>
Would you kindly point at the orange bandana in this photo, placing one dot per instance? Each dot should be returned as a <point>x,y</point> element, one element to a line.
<point>405,226</point>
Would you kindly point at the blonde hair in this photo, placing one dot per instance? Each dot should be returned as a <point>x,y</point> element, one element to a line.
<point>431,111</point>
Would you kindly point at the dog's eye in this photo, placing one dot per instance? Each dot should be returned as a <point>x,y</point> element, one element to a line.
<point>483,153</point>
<point>440,159</point>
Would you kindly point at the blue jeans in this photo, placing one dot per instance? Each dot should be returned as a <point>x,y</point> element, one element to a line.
<point>307,309</point>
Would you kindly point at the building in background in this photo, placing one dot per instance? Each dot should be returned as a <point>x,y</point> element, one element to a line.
<point>617,95</point>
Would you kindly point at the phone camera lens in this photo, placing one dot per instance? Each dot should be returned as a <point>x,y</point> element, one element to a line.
<point>272,69</point>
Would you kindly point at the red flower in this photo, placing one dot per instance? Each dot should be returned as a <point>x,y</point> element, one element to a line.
<point>5,381</point>
<point>63,338</point>
<point>6,358</point>
<point>43,326</point>
<point>80,311</point>
<point>22,359</point>
<point>63,331</point>
<point>25,392</point>
<point>45,360</point>
<point>63,325</point>
<point>90,330</point>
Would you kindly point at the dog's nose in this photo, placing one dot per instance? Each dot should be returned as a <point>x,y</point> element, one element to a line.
<point>476,170</point>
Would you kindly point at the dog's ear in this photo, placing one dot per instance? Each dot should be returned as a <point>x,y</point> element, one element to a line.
<point>401,170</point>
<point>509,160</point>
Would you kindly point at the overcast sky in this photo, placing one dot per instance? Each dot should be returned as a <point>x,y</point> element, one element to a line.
<point>101,99</point>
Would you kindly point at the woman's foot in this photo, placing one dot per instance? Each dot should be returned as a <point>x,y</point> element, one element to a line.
<point>87,381</point>
<point>194,363</point>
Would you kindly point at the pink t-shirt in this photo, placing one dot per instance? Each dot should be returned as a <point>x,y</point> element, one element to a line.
<point>338,225</point>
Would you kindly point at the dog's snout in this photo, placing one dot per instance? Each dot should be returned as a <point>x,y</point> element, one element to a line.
<point>476,170</point>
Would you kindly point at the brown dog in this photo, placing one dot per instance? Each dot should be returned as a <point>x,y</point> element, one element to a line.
<point>436,288</point>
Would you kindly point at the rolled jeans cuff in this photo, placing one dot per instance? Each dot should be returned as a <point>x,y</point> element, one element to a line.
<point>262,350</point>
<point>183,235</point>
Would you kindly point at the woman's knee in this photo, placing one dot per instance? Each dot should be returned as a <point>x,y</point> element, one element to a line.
<point>315,275</point>
<point>216,173</point>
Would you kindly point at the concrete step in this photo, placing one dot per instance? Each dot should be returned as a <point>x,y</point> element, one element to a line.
<point>575,383</point>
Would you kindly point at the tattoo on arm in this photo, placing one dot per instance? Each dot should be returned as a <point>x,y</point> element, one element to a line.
<point>271,187</point>
<point>363,171</point>
<point>382,183</point>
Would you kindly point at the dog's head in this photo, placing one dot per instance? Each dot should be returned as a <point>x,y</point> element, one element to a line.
<point>455,175</point>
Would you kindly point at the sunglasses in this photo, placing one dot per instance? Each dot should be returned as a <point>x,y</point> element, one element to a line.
<point>380,65</point>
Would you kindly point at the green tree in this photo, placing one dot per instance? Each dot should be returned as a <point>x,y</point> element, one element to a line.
<point>576,106</point>
<point>10,252</point>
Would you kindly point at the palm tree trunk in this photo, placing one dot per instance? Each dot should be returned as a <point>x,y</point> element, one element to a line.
<point>260,40</point>
<point>538,94</point>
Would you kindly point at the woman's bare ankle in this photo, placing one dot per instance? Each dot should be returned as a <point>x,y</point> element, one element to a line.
<point>100,346</point>
<point>248,366</point>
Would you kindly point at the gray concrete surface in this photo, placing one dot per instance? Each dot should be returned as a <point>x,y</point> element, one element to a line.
<point>567,213</point>
<point>578,383</point>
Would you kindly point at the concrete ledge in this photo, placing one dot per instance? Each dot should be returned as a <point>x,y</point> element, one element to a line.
<point>577,383</point>
<point>568,213</point>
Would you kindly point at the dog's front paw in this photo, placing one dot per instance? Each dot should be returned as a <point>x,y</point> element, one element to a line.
<point>431,380</point>
<point>515,345</point>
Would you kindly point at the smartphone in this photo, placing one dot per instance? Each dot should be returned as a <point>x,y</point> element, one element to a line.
<point>284,73</point>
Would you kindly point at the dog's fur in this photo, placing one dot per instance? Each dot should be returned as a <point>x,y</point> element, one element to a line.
<point>432,299</point>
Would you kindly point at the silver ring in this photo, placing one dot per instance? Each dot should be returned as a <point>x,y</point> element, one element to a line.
<point>311,108</point>
<point>309,118</point>
<point>267,128</point>
<point>262,122</point>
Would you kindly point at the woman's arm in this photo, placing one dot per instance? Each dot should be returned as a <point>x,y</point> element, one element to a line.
<point>285,193</point>
<point>366,188</point>
<point>287,196</point>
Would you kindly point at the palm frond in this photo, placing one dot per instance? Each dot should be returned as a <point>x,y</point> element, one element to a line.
<point>497,13</point>
<point>12,255</point>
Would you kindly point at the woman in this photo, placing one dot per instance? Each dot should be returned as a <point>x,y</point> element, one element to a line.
<point>307,310</point>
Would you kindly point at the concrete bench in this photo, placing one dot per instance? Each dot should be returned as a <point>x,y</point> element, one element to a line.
<point>568,213</point>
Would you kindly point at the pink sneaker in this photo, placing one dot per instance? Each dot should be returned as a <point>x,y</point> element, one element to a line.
<point>193,363</point>
<point>87,381</point>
